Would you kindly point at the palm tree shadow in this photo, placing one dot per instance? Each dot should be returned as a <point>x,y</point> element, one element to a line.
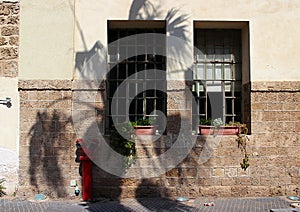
<point>46,145</point>
<point>143,10</point>
<point>105,184</point>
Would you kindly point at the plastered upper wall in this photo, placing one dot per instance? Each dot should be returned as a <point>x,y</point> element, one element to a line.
<point>9,123</point>
<point>47,39</point>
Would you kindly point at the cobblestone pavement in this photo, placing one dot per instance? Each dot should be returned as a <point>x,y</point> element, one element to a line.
<point>273,204</point>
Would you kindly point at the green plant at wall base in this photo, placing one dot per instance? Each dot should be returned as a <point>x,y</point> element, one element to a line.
<point>124,143</point>
<point>242,140</point>
<point>2,188</point>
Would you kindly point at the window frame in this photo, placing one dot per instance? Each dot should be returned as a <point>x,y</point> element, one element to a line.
<point>136,64</point>
<point>243,26</point>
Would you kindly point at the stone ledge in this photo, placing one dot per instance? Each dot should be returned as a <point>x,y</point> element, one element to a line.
<point>76,85</point>
<point>89,85</point>
<point>275,86</point>
<point>9,1</point>
<point>44,84</point>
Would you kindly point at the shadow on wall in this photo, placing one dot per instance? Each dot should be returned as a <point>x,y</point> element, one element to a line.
<point>47,148</point>
<point>105,184</point>
<point>143,10</point>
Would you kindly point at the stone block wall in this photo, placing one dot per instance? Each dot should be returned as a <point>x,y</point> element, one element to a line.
<point>9,38</point>
<point>47,139</point>
<point>47,135</point>
<point>276,136</point>
<point>212,168</point>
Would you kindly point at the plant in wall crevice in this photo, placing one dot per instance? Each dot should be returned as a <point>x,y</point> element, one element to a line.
<point>242,139</point>
<point>217,126</point>
<point>123,142</point>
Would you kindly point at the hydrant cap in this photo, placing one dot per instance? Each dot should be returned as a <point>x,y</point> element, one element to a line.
<point>79,141</point>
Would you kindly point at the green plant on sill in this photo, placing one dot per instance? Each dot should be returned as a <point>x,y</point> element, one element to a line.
<point>242,140</point>
<point>205,121</point>
<point>124,142</point>
<point>142,122</point>
<point>2,188</point>
<point>209,122</point>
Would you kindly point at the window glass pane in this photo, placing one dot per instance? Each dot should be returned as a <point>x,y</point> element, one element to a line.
<point>209,72</point>
<point>114,108</point>
<point>160,51</point>
<point>150,74</point>
<point>122,106</point>
<point>227,55</point>
<point>200,56</point>
<point>202,108</point>
<point>140,67</point>
<point>228,106</point>
<point>149,39</point>
<point>219,54</point>
<point>214,87</point>
<point>131,40</point>
<point>237,108</point>
<point>150,93</point>
<point>133,107</point>
<point>113,72</point>
<point>237,55</point>
<point>228,87</point>
<point>131,52</point>
<point>141,39</point>
<point>200,74</point>
<point>237,86</point>
<point>132,90</point>
<point>238,72</point>
<point>160,95</point>
<point>215,104</point>
<point>112,88</point>
<point>122,71</point>
<point>218,71</point>
<point>160,74</point>
<point>121,92</point>
<point>149,106</point>
<point>210,54</point>
<point>140,87</point>
<point>227,72</point>
<point>139,108</point>
<point>123,52</point>
<point>131,68</point>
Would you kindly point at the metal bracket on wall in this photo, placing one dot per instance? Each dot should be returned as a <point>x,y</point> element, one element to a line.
<point>6,102</point>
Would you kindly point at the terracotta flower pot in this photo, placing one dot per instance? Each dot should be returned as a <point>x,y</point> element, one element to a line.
<point>145,130</point>
<point>223,130</point>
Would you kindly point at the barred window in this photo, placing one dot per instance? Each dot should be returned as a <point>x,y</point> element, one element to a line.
<point>218,74</point>
<point>144,104</point>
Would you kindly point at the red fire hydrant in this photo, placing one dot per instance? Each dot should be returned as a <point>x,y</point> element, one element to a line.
<point>86,171</point>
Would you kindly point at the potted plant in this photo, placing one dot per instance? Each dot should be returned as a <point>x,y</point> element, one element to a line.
<point>216,127</point>
<point>144,127</point>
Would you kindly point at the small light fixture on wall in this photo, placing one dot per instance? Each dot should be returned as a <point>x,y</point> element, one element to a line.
<point>6,102</point>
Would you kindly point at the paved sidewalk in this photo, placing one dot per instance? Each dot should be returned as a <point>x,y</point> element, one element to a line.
<point>268,204</point>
